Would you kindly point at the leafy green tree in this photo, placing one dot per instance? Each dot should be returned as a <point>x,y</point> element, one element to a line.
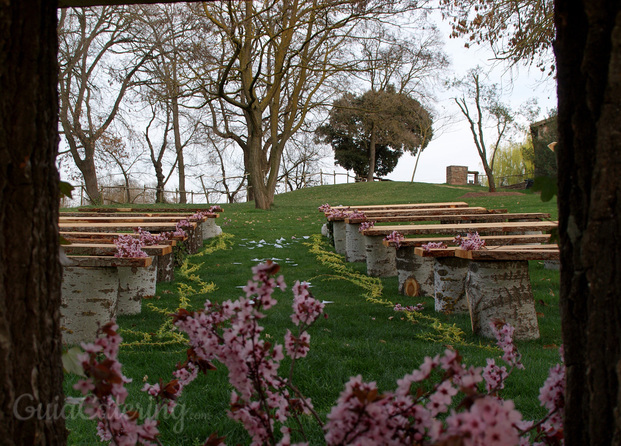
<point>369,133</point>
<point>514,161</point>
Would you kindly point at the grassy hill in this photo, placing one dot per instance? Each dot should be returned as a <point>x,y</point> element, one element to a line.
<point>362,334</point>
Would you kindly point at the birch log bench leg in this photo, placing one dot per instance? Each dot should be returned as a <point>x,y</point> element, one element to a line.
<point>355,247</point>
<point>340,236</point>
<point>415,273</point>
<point>90,294</point>
<point>498,288</point>
<point>381,259</point>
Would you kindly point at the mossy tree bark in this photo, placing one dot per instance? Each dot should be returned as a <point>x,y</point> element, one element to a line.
<point>588,53</point>
<point>30,274</point>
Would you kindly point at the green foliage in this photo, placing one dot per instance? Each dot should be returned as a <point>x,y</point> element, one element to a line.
<point>514,163</point>
<point>385,121</point>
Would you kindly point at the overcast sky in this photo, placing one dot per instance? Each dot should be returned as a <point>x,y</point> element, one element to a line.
<point>455,146</point>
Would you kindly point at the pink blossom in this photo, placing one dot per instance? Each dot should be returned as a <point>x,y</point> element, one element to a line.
<point>473,242</point>
<point>366,225</point>
<point>396,238</point>
<point>129,246</point>
<point>433,245</point>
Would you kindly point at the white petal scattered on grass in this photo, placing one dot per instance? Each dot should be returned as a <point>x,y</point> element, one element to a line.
<point>327,302</point>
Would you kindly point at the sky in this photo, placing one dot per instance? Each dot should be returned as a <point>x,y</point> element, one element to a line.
<point>454,145</point>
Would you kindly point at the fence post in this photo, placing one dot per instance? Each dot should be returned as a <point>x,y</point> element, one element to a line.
<point>334,177</point>
<point>321,177</point>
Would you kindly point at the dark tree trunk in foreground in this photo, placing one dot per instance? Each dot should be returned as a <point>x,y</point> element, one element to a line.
<point>30,275</point>
<point>588,51</point>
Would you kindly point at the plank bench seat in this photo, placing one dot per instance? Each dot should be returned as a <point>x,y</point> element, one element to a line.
<point>462,228</point>
<point>194,232</point>
<point>489,240</point>
<point>161,254</point>
<point>133,214</point>
<point>131,219</point>
<point>109,237</point>
<point>455,204</point>
<point>177,209</point>
<point>470,217</point>
<point>349,242</point>
<point>382,260</point>
<point>97,288</point>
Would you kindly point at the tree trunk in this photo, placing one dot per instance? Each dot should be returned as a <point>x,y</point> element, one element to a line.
<point>89,173</point>
<point>491,182</point>
<point>588,52</point>
<point>372,142</point>
<point>179,149</point>
<point>30,275</point>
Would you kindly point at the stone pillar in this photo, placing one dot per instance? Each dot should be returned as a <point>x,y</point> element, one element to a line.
<point>210,229</point>
<point>165,267</point>
<point>135,283</point>
<point>355,244</point>
<point>501,291</point>
<point>381,260</point>
<point>340,237</point>
<point>456,175</point>
<point>449,283</point>
<point>89,300</point>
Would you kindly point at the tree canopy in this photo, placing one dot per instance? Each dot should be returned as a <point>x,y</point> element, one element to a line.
<point>370,132</point>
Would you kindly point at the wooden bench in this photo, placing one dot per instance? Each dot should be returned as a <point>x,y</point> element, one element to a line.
<point>171,209</point>
<point>415,273</point>
<point>209,227</point>
<point>162,255</point>
<point>194,232</point>
<point>454,204</point>
<point>349,242</point>
<point>381,260</point>
<point>492,284</point>
<point>465,216</point>
<point>97,288</point>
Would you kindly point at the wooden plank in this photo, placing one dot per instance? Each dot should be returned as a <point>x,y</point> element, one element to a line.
<point>110,261</point>
<point>454,204</point>
<point>371,215</point>
<point>463,228</point>
<point>100,219</point>
<point>132,214</point>
<point>109,249</point>
<point>177,209</point>
<point>489,240</point>
<point>116,227</point>
<point>509,254</point>
<point>107,237</point>
<point>450,251</point>
<point>455,218</point>
<point>437,252</point>
<point>436,211</point>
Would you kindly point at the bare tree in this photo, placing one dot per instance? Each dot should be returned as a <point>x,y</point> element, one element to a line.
<point>275,58</point>
<point>97,66</point>
<point>487,107</point>
<point>516,30</point>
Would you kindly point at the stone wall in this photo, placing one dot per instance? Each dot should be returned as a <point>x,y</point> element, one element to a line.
<point>457,175</point>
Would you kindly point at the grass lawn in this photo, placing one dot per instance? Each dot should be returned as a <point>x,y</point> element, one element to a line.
<point>362,334</point>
